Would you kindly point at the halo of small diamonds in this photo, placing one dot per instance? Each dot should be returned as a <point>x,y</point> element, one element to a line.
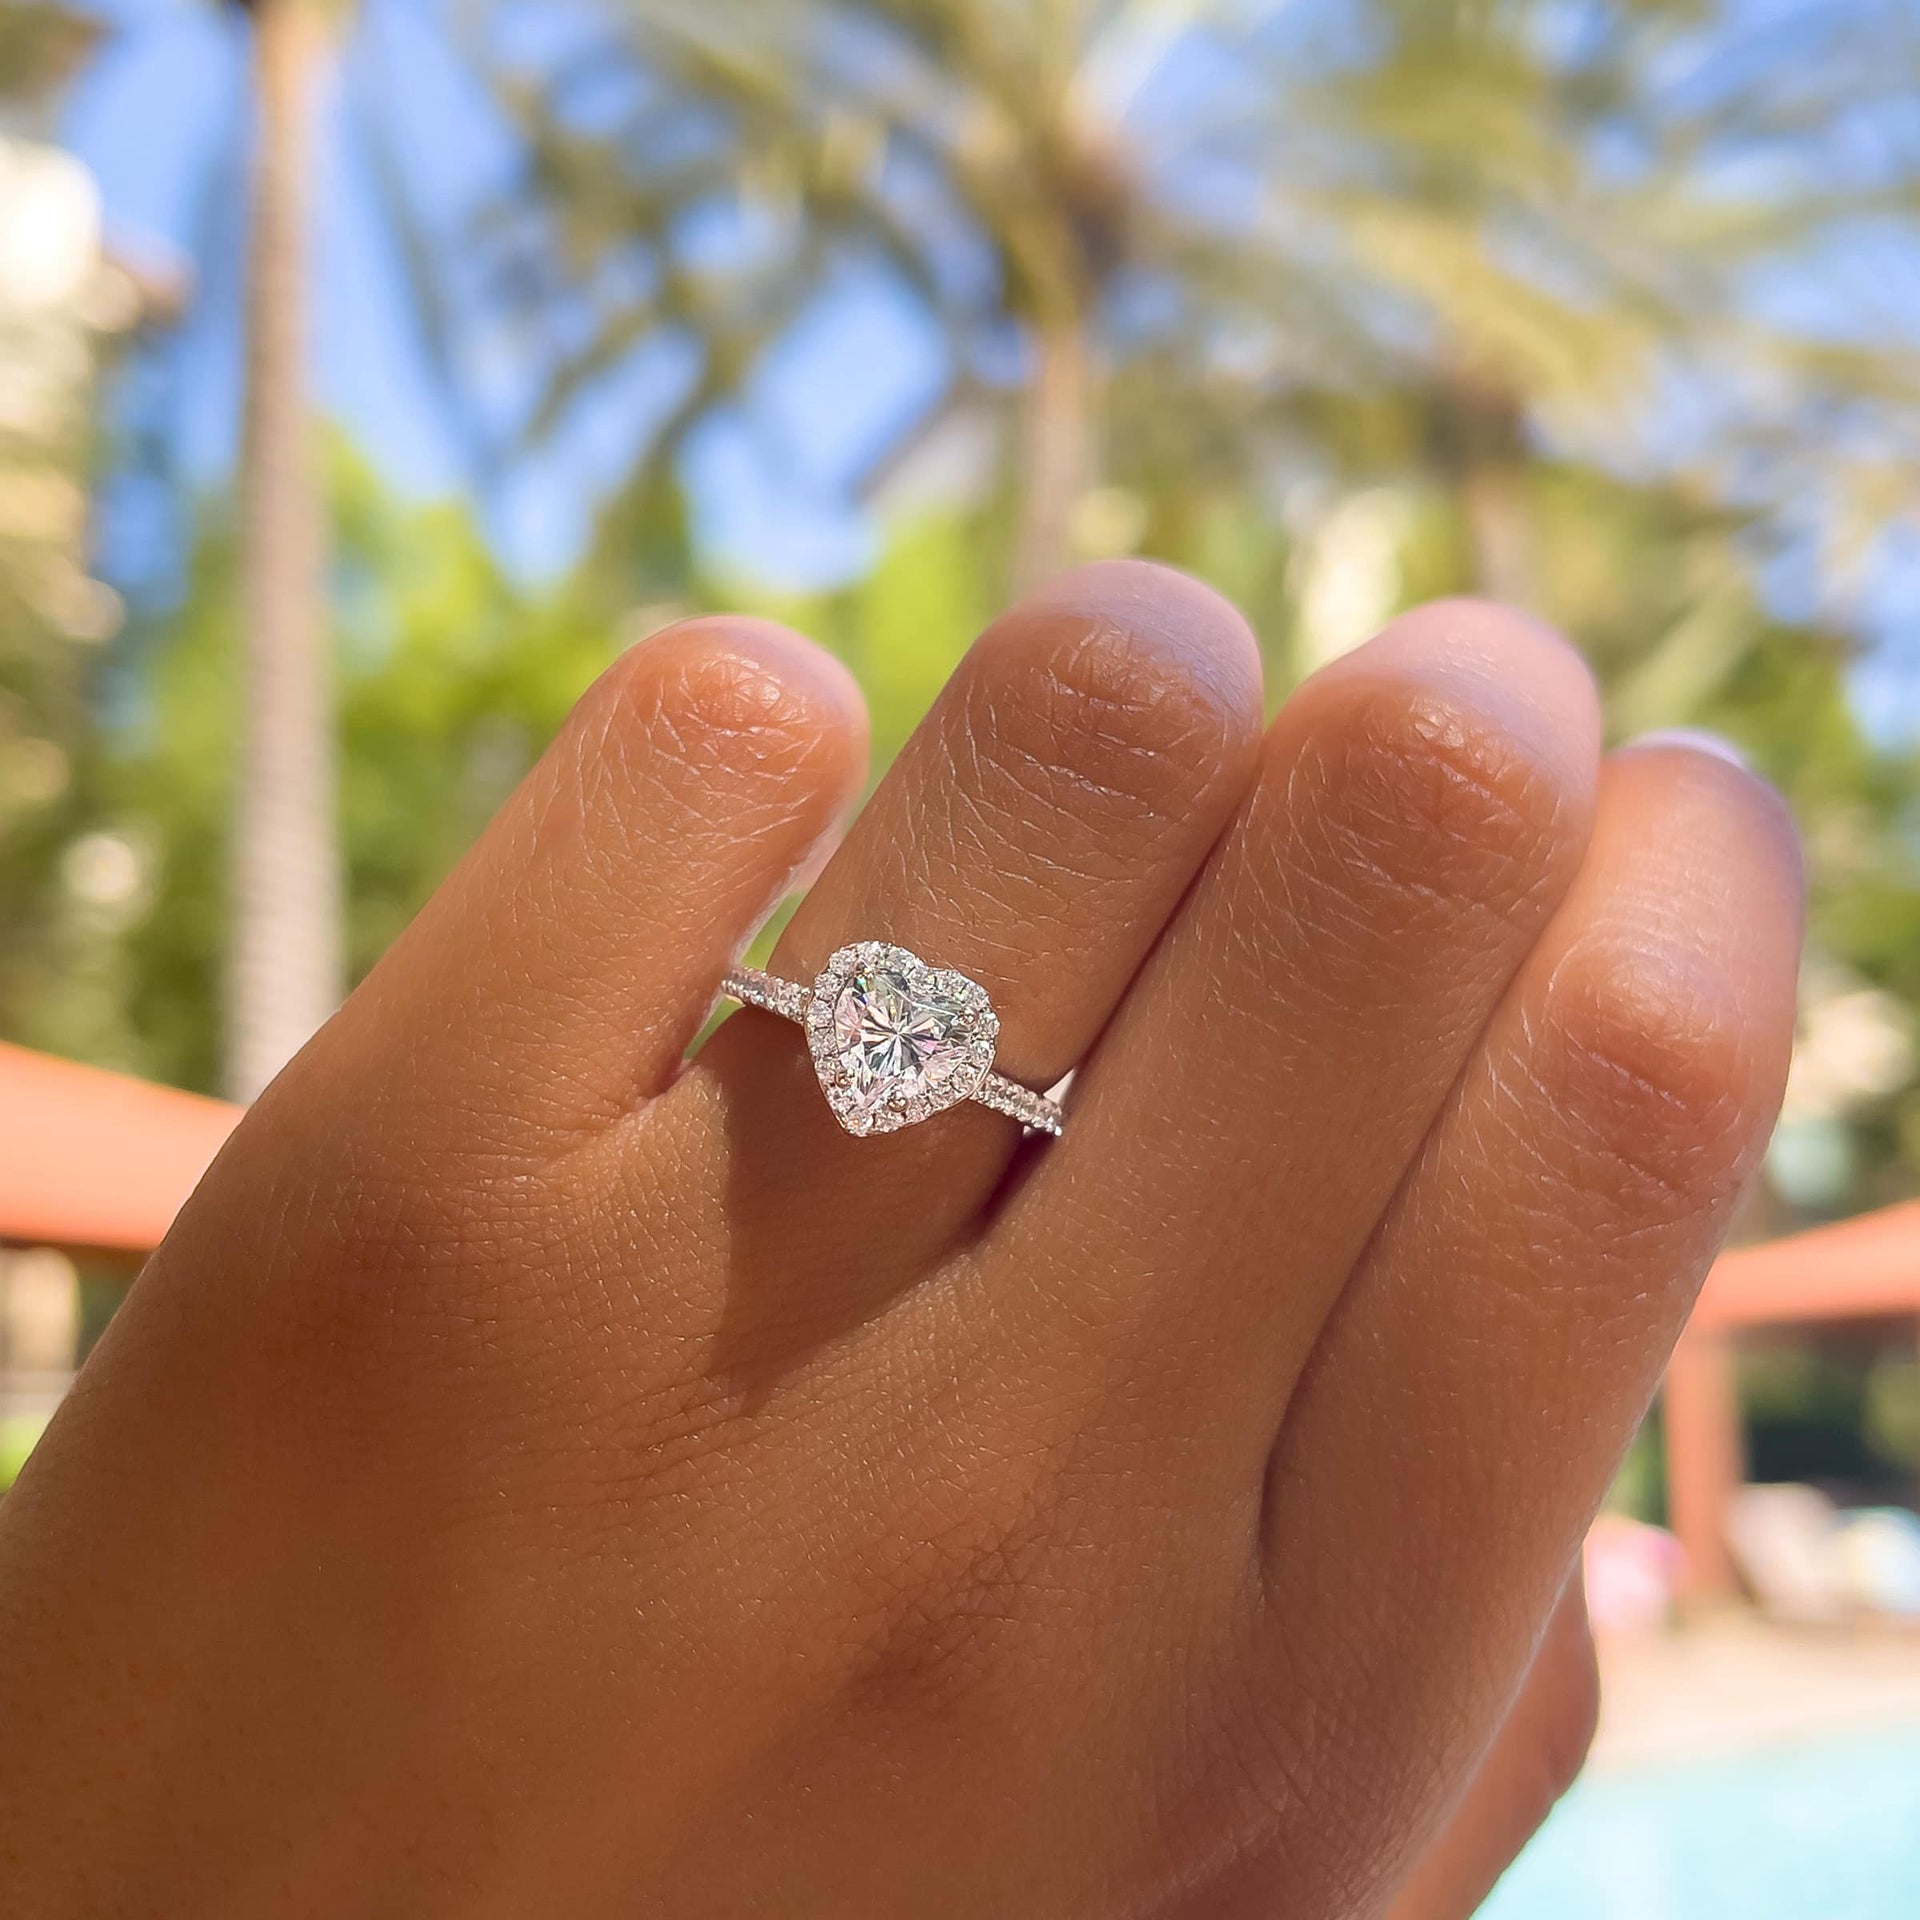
<point>893,1040</point>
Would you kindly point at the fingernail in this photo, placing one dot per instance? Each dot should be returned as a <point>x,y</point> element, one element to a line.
<point>1695,740</point>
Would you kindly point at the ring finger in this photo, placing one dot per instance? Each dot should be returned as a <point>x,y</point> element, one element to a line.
<point>1035,834</point>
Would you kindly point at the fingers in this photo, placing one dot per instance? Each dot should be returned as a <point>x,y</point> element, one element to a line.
<point>1035,834</point>
<point>1420,809</point>
<point>560,973</point>
<point>1535,1757</point>
<point>1493,1352</point>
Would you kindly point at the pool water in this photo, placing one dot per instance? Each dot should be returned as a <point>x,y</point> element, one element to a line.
<point>1826,1830</point>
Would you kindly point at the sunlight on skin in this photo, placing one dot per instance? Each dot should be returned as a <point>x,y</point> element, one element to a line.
<point>540,1476</point>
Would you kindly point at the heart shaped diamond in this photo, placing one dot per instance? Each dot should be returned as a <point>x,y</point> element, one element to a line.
<point>894,1040</point>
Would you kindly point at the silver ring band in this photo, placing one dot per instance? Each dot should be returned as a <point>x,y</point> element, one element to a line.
<point>895,1041</point>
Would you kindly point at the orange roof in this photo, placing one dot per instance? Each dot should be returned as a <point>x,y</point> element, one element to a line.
<point>97,1161</point>
<point>1867,1267</point>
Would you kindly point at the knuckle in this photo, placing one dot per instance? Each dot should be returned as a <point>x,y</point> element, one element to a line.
<point>1089,717</point>
<point>1410,789</point>
<point>1650,1056</point>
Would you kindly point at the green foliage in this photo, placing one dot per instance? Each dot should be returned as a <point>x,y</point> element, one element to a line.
<point>1893,1409</point>
<point>450,681</point>
<point>1807,1416</point>
<point>1639,1488</point>
<point>19,1435</point>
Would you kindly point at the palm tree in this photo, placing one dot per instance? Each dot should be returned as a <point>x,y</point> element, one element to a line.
<point>912,129</point>
<point>1267,204</point>
<point>285,939</point>
<point>285,955</point>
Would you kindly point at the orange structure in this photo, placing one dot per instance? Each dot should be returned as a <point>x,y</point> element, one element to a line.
<point>97,1162</point>
<point>1866,1268</point>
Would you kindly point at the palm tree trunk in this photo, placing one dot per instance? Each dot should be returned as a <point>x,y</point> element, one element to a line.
<point>1056,451</point>
<point>284,958</point>
<point>1493,499</point>
<point>1490,472</point>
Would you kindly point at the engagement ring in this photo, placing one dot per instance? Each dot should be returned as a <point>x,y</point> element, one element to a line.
<point>894,1040</point>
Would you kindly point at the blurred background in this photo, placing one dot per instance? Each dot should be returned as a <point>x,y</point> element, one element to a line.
<point>373,371</point>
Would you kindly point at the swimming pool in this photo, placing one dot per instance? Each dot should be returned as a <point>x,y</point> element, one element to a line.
<point>1823,1830</point>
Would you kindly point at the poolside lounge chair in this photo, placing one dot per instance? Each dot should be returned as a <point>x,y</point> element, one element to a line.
<point>1786,1541</point>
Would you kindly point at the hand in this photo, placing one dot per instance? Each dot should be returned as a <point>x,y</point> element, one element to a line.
<point>538,1477</point>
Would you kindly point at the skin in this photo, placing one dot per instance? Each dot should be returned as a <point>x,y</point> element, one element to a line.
<point>541,1476</point>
